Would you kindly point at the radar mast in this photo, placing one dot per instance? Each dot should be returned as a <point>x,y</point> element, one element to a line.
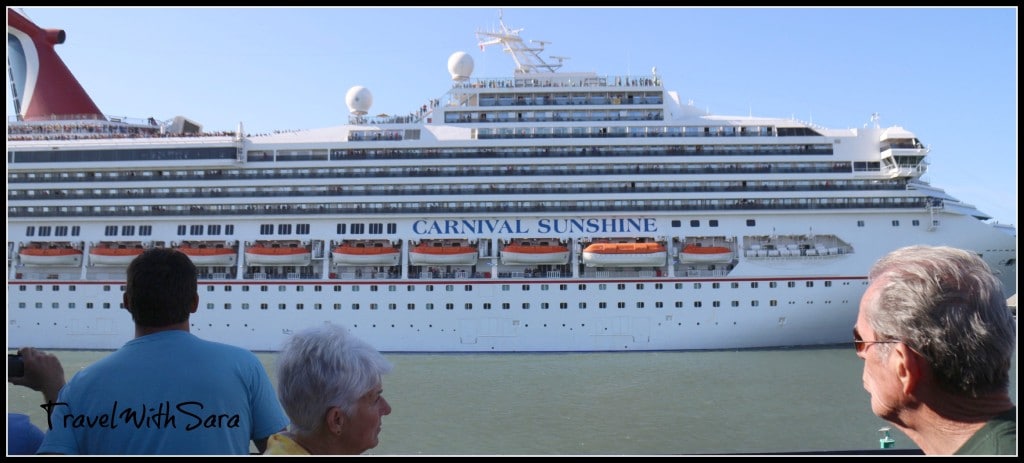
<point>527,58</point>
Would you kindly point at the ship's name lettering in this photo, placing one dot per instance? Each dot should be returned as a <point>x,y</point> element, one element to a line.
<point>162,416</point>
<point>541,226</point>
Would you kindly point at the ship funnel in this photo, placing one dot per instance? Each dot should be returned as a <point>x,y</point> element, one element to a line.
<point>42,86</point>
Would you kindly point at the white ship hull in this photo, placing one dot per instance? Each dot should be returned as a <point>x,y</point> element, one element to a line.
<point>583,159</point>
<point>810,300</point>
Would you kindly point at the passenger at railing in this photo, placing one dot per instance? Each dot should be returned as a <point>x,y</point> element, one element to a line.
<point>329,383</point>
<point>166,391</point>
<point>944,342</point>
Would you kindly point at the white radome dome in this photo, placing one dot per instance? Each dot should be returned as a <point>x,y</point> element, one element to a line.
<point>359,99</point>
<point>460,66</point>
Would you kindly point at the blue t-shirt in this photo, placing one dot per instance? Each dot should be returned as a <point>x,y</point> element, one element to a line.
<point>167,393</point>
<point>23,437</point>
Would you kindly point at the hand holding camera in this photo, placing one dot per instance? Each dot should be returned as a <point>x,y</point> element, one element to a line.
<point>37,370</point>
<point>15,366</point>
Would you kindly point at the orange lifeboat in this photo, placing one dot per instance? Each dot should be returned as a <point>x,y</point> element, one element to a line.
<point>278,254</point>
<point>44,254</point>
<point>625,255</point>
<point>207,255</point>
<point>363,254</point>
<point>705,254</point>
<point>111,254</point>
<point>528,253</point>
<point>442,253</point>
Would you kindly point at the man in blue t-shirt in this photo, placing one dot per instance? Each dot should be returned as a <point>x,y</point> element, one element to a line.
<point>166,391</point>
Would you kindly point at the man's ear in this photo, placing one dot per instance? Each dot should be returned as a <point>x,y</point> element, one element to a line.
<point>910,367</point>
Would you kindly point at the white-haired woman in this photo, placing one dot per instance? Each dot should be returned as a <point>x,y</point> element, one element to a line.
<point>329,384</point>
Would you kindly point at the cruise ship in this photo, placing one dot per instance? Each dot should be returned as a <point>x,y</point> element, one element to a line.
<point>545,211</point>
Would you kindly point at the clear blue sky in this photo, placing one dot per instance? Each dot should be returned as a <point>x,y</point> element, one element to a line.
<point>947,74</point>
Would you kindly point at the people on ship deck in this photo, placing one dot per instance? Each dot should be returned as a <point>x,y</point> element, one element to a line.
<point>938,342</point>
<point>329,383</point>
<point>166,391</point>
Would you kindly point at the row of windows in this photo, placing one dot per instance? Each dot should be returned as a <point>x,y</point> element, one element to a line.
<point>253,176</point>
<point>427,306</point>
<point>451,306</point>
<point>127,230</point>
<point>300,229</point>
<point>467,288</point>
<point>59,230</point>
<point>453,207</point>
<point>486,305</point>
<point>114,156</point>
<point>751,223</point>
<point>212,229</point>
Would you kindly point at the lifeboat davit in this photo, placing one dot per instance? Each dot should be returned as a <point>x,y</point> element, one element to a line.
<point>50,254</point>
<point>625,255</point>
<point>260,254</point>
<point>426,254</point>
<point>705,254</point>
<point>532,253</point>
<point>348,254</point>
<point>206,255</point>
<point>108,255</point>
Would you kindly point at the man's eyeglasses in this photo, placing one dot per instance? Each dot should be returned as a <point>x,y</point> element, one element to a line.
<point>861,345</point>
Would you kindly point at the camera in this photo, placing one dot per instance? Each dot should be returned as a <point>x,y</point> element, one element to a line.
<point>15,366</point>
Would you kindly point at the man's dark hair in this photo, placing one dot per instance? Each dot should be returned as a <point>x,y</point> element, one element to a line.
<point>161,287</point>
